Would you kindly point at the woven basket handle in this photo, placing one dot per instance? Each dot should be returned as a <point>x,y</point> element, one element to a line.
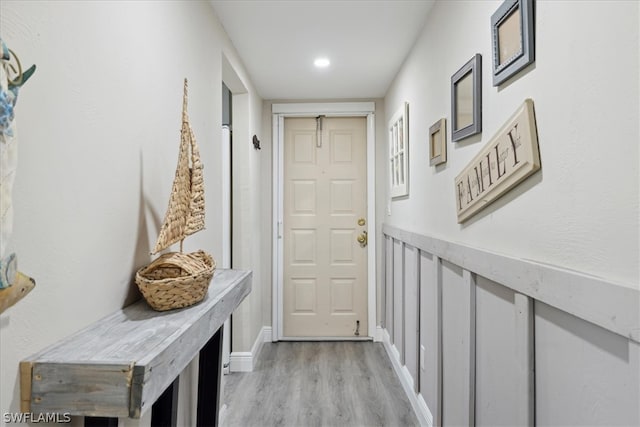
<point>181,261</point>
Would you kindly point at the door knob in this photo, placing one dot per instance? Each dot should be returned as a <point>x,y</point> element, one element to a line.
<point>363,239</point>
<point>361,222</point>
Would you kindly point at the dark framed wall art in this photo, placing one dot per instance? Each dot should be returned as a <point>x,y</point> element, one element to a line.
<point>466,99</point>
<point>513,41</point>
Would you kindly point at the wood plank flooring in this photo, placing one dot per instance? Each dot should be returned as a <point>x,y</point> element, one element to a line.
<point>318,384</point>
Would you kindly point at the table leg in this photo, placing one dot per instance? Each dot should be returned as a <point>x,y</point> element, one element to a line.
<point>100,422</point>
<point>164,412</point>
<point>209,379</point>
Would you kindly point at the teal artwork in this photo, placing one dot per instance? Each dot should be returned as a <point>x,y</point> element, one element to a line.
<point>14,285</point>
<point>15,78</point>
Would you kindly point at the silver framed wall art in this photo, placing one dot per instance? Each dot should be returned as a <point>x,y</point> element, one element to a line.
<point>466,99</point>
<point>513,41</point>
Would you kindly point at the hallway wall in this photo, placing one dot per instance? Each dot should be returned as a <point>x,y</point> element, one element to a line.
<point>475,322</point>
<point>581,210</point>
<point>99,127</point>
<point>247,321</point>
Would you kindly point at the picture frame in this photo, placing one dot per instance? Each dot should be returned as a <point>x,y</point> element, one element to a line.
<point>466,99</point>
<point>438,142</point>
<point>399,152</point>
<point>513,40</point>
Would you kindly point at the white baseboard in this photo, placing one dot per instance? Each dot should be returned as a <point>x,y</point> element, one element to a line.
<point>222,414</point>
<point>425,418</point>
<point>425,409</point>
<point>244,361</point>
<point>378,336</point>
<point>241,361</point>
<point>267,333</point>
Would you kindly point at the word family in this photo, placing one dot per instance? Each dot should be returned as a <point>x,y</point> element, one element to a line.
<point>510,157</point>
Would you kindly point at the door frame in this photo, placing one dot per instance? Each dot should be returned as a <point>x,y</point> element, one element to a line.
<point>334,109</point>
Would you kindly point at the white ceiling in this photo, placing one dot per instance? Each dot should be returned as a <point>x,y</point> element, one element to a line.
<point>366,42</point>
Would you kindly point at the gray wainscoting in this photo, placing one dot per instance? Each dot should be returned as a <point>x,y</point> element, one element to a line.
<point>485,339</point>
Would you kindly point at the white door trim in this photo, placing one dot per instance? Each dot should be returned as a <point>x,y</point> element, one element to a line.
<point>336,109</point>
<point>225,170</point>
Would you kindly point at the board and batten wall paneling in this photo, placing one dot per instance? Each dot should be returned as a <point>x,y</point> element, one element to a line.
<point>398,298</point>
<point>525,357</point>
<point>411,312</point>
<point>503,330</point>
<point>388,285</point>
<point>455,346</point>
<point>470,285</point>
<point>429,327</point>
<point>494,355</point>
<point>607,304</point>
<point>381,290</point>
<point>440,362</point>
<point>585,375</point>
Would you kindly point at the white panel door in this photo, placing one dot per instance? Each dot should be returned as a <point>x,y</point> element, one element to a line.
<point>325,195</point>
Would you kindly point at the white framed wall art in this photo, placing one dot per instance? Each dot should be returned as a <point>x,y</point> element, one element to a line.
<point>399,152</point>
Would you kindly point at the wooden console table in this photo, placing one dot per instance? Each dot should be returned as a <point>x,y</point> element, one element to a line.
<point>129,362</point>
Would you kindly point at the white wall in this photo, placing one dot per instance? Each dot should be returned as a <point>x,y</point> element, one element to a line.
<point>581,210</point>
<point>247,216</point>
<point>99,127</point>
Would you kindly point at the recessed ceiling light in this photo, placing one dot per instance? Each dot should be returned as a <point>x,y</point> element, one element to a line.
<point>322,62</point>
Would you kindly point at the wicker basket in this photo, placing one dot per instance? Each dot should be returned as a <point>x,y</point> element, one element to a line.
<point>176,280</point>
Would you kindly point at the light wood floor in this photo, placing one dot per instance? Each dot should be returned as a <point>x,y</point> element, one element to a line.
<point>318,384</point>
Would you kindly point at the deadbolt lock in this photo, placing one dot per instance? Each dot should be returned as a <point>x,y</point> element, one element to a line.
<point>363,239</point>
<point>361,222</point>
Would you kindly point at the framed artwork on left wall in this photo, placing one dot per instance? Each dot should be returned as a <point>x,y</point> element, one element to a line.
<point>399,152</point>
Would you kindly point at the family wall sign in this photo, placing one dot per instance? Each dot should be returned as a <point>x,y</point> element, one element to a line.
<point>508,159</point>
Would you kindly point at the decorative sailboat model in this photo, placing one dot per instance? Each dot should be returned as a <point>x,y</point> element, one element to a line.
<point>177,279</point>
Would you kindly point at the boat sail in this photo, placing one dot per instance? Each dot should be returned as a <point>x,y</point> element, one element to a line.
<point>176,279</point>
